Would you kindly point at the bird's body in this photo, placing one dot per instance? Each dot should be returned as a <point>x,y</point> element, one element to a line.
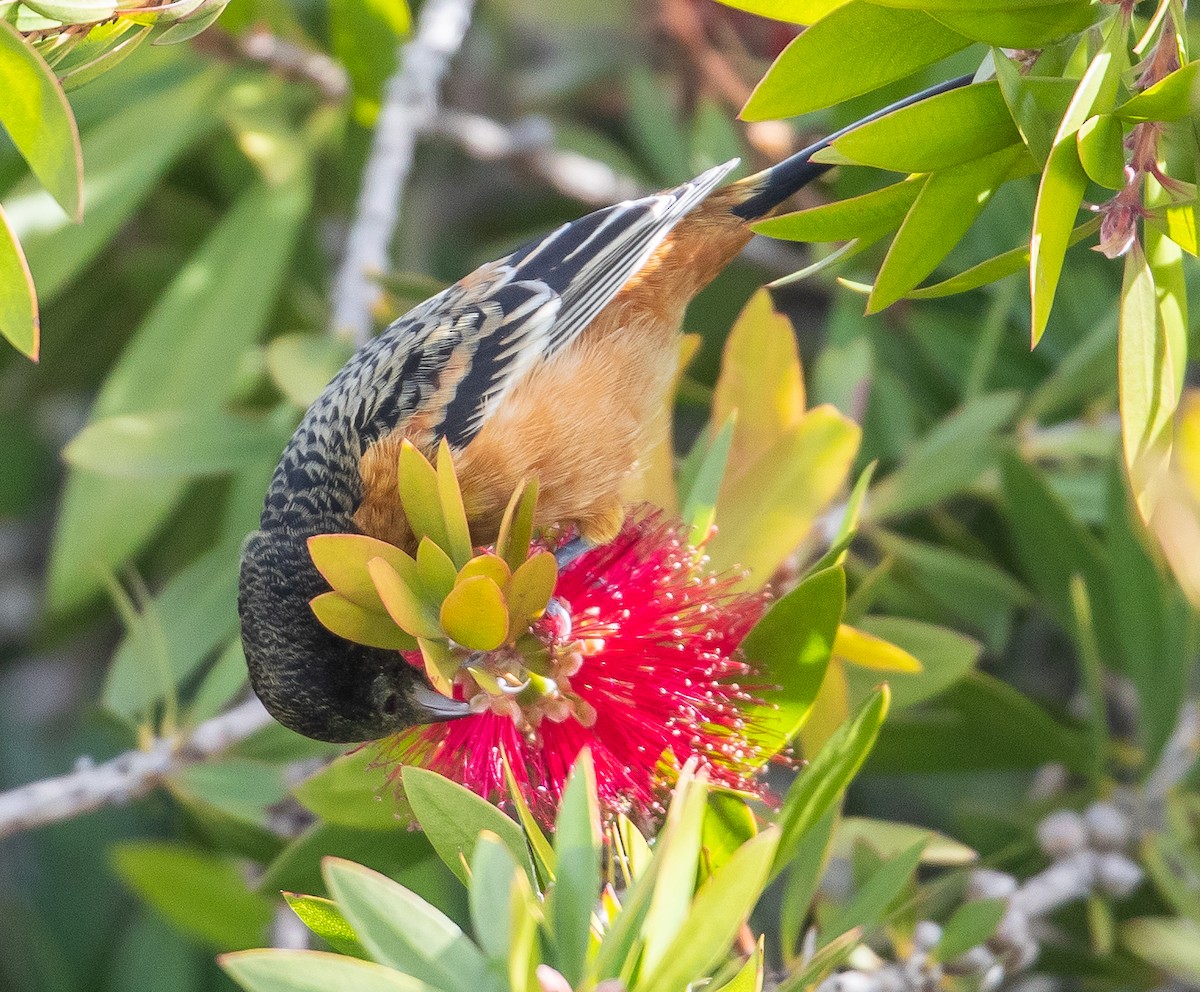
<point>551,363</point>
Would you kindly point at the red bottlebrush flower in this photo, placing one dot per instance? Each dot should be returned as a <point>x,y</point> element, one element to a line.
<point>647,674</point>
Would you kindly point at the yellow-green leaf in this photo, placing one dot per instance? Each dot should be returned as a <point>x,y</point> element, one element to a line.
<point>1173,97</point>
<point>933,134</point>
<point>403,602</point>
<point>1063,180</point>
<point>493,566</point>
<point>19,321</point>
<point>793,11</point>
<point>441,665</point>
<point>1101,142</point>
<point>868,651</point>
<point>436,570</point>
<point>839,57</point>
<point>420,496</point>
<point>1179,222</point>
<point>945,209</point>
<point>765,515</point>
<point>761,379</point>
<point>516,529</point>
<point>530,589</point>
<point>349,620</point>
<point>868,215</point>
<point>342,560</point>
<point>454,514</point>
<point>475,614</point>
<point>36,115</point>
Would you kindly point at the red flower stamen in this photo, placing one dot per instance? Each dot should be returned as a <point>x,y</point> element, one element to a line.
<point>649,678</point>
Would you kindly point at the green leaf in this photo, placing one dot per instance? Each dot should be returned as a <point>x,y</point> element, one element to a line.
<point>355,790</point>
<point>436,570</point>
<point>222,682</point>
<point>185,354</point>
<point>765,514</point>
<point>403,603</point>
<point>475,615</point>
<point>174,444</point>
<point>492,872</point>
<point>1060,192</point>
<point>453,817</point>
<point>971,924</point>
<point>347,619</point>
<point>201,894</point>
<point>888,839</point>
<point>73,11</point>
<point>700,504</point>
<point>824,781</point>
<point>458,533</point>
<point>936,133</point>
<point>19,321</point>
<point>869,215</point>
<point>1172,98</point>
<point>968,586</point>
<point>187,30</point>
<point>945,656</point>
<point>124,160</point>
<point>670,880</point>
<point>301,365</point>
<point>365,37</point>
<point>343,559</point>
<point>969,727</point>
<point>720,908</point>
<point>1101,146</point>
<point>323,918</point>
<point>1004,264</point>
<point>1032,26</point>
<point>1037,103</point>
<point>1040,519</point>
<point>1172,944</point>
<point>838,58</point>
<point>241,788</point>
<point>1179,222</point>
<point>37,117</point>
<point>539,846</point>
<point>181,626</point>
<point>1149,375</point>
<point>577,872</point>
<point>805,867</point>
<point>313,971</point>
<point>420,495</point>
<point>789,650</point>
<point>87,63</point>
<point>728,824</point>
<point>870,904</point>
<point>947,206</point>
<point>749,977</point>
<point>948,459</point>
<point>529,590</point>
<point>516,528</point>
<point>403,931</point>
<point>793,11</point>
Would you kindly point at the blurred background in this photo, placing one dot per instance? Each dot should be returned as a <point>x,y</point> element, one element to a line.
<point>221,183</point>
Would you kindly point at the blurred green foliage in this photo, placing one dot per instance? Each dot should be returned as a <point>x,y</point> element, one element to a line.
<point>184,331</point>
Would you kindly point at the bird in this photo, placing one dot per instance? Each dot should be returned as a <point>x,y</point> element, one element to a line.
<point>550,362</point>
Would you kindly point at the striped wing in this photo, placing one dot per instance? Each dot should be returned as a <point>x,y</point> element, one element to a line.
<point>545,293</point>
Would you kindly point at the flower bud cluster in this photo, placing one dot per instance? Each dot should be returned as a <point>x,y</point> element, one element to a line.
<point>1087,855</point>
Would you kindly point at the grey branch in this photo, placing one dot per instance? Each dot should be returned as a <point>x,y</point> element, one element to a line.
<point>128,776</point>
<point>409,105</point>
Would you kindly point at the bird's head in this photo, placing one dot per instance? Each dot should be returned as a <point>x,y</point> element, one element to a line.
<point>309,679</point>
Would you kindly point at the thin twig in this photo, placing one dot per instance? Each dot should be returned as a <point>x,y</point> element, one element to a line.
<point>128,776</point>
<point>410,103</point>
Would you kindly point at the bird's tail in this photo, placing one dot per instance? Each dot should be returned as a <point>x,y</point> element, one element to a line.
<point>768,189</point>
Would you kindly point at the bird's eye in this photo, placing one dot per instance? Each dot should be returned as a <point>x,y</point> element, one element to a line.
<point>390,703</point>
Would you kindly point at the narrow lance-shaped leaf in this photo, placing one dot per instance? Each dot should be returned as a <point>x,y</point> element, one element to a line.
<point>1064,181</point>
<point>577,876</point>
<point>946,208</point>
<point>838,57</point>
<point>37,117</point>
<point>19,321</point>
